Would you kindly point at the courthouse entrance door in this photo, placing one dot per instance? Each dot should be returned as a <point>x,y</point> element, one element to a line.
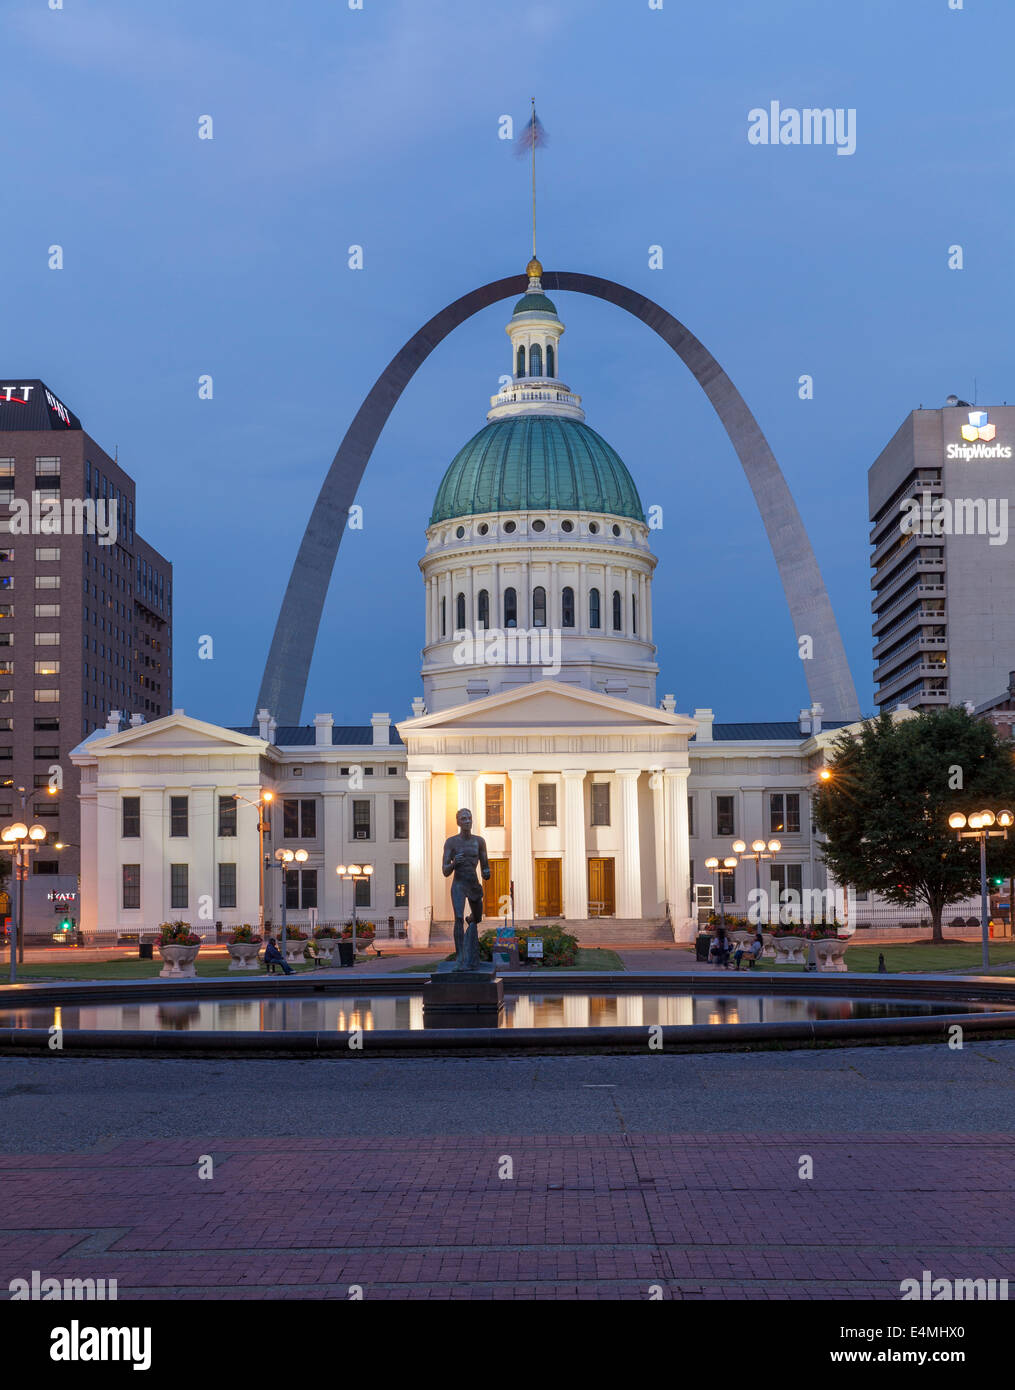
<point>602,893</point>
<point>548,897</point>
<point>496,889</point>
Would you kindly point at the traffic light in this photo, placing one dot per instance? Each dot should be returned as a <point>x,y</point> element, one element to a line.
<point>66,925</point>
<point>997,881</point>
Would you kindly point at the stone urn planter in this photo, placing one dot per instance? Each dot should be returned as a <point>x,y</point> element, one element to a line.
<point>740,936</point>
<point>768,945</point>
<point>294,951</point>
<point>243,955</point>
<point>179,962</point>
<point>789,950</point>
<point>325,946</point>
<point>831,953</point>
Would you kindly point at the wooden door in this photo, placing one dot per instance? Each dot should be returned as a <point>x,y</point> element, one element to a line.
<point>548,899</point>
<point>496,889</point>
<point>602,893</point>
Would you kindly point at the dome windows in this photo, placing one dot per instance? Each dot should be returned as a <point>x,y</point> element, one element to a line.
<point>593,528</point>
<point>460,612</point>
<point>616,529</point>
<point>483,608</point>
<point>567,526</point>
<point>535,360</point>
<point>618,612</point>
<point>510,608</point>
<point>460,533</point>
<point>550,361</point>
<point>567,607</point>
<point>520,362</point>
<point>484,529</point>
<point>510,527</point>
<point>539,525</point>
<point>539,606</point>
<point>594,608</point>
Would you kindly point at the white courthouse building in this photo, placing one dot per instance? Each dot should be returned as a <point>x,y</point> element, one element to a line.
<point>598,801</point>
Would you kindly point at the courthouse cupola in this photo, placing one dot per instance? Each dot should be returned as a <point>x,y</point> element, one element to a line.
<point>537,531</point>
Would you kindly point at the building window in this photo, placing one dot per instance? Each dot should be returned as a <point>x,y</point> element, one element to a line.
<point>483,608</point>
<point>401,885</point>
<point>787,882</point>
<point>494,808</point>
<point>227,885</point>
<point>460,612</point>
<point>634,614</point>
<point>42,610</point>
<point>299,819</point>
<point>401,826</point>
<point>618,612</point>
<point>600,803</point>
<point>47,581</point>
<point>361,820</point>
<point>227,819</point>
<point>724,815</point>
<point>539,606</point>
<point>130,817</point>
<point>131,875</point>
<point>594,608</point>
<point>48,552</point>
<point>550,363</point>
<point>510,608</point>
<point>179,885</point>
<point>567,607</point>
<point>301,888</point>
<point>535,360</point>
<point>690,815</point>
<point>47,639</point>
<point>47,468</point>
<point>444,617</point>
<point>47,696</point>
<point>44,668</point>
<point>547,803</point>
<point>784,813</point>
<point>362,893</point>
<point>728,886</point>
<point>179,816</point>
<point>519,367</point>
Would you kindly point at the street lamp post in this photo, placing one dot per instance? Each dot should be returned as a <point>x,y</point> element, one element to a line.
<point>979,828</point>
<point>285,858</point>
<point>726,867</point>
<point>760,849</point>
<point>354,873</point>
<point>20,840</point>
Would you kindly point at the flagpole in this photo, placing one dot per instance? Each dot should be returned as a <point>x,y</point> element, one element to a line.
<point>533,130</point>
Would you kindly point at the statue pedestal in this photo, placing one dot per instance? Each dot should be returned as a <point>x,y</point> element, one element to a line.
<point>463,998</point>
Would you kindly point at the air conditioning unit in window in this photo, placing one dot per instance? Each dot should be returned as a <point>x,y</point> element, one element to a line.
<point>362,834</point>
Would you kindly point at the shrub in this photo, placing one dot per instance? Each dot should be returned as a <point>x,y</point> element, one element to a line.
<point>294,934</point>
<point>178,934</point>
<point>325,933</point>
<point>364,930</point>
<point>560,948</point>
<point>246,933</point>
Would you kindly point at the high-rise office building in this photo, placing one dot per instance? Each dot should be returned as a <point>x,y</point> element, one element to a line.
<point>944,573</point>
<point>85,610</point>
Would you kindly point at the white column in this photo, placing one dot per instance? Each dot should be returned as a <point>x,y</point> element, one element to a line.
<point>334,895</point>
<point>648,608</point>
<point>677,851</point>
<point>470,600</point>
<point>521,843</point>
<point>659,828</point>
<point>582,601</point>
<point>554,615</point>
<point>466,788</point>
<point>419,856</point>
<point>642,608</point>
<point>203,869</point>
<point>629,877</point>
<point>109,873</point>
<point>576,888</point>
<point>496,602</point>
<point>155,857</point>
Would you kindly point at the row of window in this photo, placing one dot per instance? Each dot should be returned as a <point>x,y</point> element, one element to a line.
<point>42,552</point>
<point>787,877</point>
<point>44,468</point>
<point>535,361</point>
<point>300,887</point>
<point>783,814</point>
<point>567,610</point>
<point>546,799</point>
<point>299,818</point>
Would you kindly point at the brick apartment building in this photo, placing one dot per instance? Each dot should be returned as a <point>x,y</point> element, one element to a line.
<point>85,610</point>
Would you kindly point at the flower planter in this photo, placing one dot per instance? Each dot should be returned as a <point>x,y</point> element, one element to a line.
<point>768,945</point>
<point>294,951</point>
<point>325,946</point>
<point>831,953</point>
<point>789,950</point>
<point>740,935</point>
<point>244,955</point>
<point>179,962</point>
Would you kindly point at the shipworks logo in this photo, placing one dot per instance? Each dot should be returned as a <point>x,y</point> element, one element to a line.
<point>978,434</point>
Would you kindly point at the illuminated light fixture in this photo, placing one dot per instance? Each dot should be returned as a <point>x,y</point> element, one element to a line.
<point>17,831</point>
<point>1005,818</point>
<point>267,796</point>
<point>711,862</point>
<point>774,846</point>
<point>957,820</point>
<point>301,856</point>
<point>758,846</point>
<point>739,847</point>
<point>340,869</point>
<point>37,832</point>
<point>730,863</point>
<point>986,817</point>
<point>825,774</point>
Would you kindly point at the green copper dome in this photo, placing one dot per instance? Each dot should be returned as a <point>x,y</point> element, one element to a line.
<point>534,303</point>
<point>535,462</point>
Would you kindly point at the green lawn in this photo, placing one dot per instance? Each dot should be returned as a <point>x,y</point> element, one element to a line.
<point>961,956</point>
<point>125,970</point>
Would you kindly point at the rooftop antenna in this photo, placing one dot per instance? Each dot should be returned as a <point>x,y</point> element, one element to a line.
<point>531,138</point>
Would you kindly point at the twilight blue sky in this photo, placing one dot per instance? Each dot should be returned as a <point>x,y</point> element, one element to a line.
<point>379,127</point>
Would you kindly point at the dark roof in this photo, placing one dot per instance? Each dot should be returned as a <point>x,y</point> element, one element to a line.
<point>305,735</point>
<point>26,403</point>
<point>783,728</point>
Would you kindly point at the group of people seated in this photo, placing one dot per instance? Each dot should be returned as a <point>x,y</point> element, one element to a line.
<point>723,949</point>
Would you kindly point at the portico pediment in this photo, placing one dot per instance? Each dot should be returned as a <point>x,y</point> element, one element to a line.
<point>548,706</point>
<point>175,734</point>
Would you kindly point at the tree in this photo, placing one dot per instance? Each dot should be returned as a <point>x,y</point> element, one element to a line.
<point>885,807</point>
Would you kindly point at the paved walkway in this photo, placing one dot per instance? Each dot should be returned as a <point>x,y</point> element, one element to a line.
<point>547,1177</point>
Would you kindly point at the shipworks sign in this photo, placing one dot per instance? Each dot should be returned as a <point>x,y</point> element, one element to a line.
<point>978,440</point>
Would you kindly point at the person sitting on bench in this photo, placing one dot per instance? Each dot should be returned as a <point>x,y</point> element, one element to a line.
<point>273,956</point>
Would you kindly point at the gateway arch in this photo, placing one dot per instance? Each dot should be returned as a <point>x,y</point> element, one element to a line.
<point>283,684</point>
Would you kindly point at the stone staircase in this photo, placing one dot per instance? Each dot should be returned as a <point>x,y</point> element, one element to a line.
<point>590,931</point>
